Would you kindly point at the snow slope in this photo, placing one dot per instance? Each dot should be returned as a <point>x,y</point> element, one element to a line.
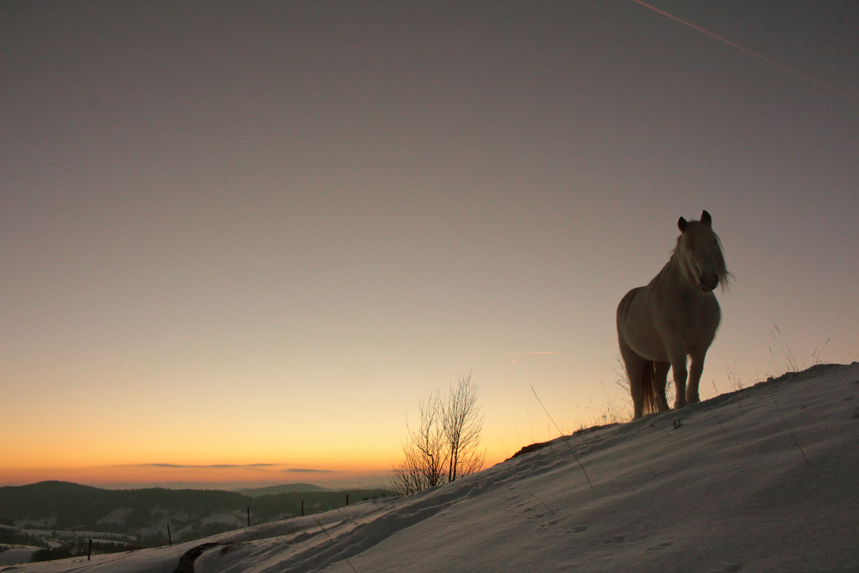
<point>764,479</point>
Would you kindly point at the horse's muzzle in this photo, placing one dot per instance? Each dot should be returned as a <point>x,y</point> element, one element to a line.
<point>708,283</point>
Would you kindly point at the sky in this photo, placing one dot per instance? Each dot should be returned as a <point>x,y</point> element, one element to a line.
<point>241,242</point>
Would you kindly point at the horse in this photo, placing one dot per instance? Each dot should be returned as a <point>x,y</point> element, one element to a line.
<point>674,317</point>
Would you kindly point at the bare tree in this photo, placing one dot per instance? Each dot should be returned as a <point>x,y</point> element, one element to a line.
<point>445,445</point>
<point>424,453</point>
<point>462,423</point>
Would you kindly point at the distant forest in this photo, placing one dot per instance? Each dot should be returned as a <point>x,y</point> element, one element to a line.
<point>140,513</point>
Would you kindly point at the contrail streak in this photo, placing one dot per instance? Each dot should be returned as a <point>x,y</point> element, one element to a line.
<point>748,51</point>
<point>522,353</point>
<point>513,353</point>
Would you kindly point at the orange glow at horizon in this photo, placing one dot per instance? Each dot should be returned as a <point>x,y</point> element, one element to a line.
<point>370,472</point>
<point>255,474</point>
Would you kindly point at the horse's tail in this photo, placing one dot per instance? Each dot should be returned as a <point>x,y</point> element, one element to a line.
<point>648,396</point>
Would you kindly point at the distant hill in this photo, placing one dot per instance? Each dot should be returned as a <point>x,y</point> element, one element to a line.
<point>283,488</point>
<point>145,514</point>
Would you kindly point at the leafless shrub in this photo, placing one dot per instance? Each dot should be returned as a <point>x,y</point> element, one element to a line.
<point>462,423</point>
<point>445,445</point>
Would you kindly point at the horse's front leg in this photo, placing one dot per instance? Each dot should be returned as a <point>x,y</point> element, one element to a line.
<point>660,378</point>
<point>696,367</point>
<point>678,368</point>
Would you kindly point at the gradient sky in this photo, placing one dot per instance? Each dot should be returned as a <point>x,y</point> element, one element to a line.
<point>242,241</point>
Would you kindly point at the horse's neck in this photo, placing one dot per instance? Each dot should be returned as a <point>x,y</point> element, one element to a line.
<point>673,278</point>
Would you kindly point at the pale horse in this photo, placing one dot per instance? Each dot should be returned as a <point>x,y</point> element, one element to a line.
<point>676,315</point>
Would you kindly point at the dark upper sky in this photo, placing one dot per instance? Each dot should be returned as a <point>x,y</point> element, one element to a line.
<point>349,204</point>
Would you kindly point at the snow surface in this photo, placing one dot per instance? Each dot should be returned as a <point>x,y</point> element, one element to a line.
<point>764,479</point>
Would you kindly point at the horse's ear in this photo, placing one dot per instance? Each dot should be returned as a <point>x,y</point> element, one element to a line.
<point>706,219</point>
<point>682,224</point>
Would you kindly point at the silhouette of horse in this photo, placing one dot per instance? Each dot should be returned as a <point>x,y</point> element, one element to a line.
<point>676,315</point>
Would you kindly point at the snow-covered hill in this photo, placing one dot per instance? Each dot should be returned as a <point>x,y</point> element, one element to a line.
<point>765,479</point>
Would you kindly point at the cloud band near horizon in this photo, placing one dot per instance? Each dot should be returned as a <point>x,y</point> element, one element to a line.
<point>258,467</point>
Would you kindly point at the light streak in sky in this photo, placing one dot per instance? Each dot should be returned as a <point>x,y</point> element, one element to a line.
<point>524,353</point>
<point>514,354</point>
<point>748,51</point>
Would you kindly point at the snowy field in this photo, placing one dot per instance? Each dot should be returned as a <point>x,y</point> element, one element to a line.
<point>765,479</point>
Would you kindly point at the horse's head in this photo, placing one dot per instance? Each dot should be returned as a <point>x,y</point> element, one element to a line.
<point>699,251</point>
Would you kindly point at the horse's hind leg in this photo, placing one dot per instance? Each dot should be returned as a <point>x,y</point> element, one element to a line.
<point>660,379</point>
<point>633,364</point>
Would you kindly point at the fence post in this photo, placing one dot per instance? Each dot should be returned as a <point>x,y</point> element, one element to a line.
<point>347,499</point>
<point>169,537</point>
<point>302,508</point>
<point>249,516</point>
<point>89,550</point>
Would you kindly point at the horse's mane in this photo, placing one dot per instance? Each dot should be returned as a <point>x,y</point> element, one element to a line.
<point>724,276</point>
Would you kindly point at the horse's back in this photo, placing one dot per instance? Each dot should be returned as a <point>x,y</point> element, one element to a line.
<point>630,321</point>
<point>625,304</point>
<point>640,323</point>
